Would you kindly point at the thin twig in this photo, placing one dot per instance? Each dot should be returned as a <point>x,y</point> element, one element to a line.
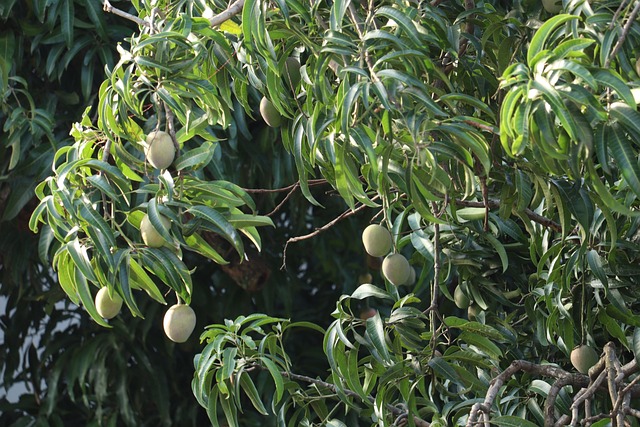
<point>487,128</point>
<point>625,31</point>
<point>433,308</point>
<point>110,9</point>
<point>616,15</point>
<point>281,204</point>
<point>234,9</point>
<point>311,182</point>
<point>319,230</point>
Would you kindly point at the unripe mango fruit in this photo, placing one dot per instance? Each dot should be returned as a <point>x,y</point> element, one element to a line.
<point>583,358</point>
<point>108,306</point>
<point>160,150</point>
<point>376,240</point>
<point>150,235</point>
<point>292,72</point>
<point>270,115</point>
<point>179,322</point>
<point>396,269</point>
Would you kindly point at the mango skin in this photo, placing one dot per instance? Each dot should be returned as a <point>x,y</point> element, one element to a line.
<point>108,306</point>
<point>396,269</point>
<point>179,322</point>
<point>160,150</point>
<point>150,235</point>
<point>376,240</point>
<point>583,358</point>
<point>270,115</point>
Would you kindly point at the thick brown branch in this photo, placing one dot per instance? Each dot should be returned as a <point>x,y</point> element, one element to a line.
<point>607,375</point>
<point>516,366</point>
<point>549,404</point>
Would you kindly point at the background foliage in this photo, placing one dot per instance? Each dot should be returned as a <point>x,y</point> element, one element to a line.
<point>496,140</point>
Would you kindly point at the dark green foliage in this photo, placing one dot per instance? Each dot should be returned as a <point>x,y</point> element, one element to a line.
<point>497,143</point>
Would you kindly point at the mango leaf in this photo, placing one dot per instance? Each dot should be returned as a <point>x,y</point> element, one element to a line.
<point>88,303</point>
<point>220,225</point>
<point>252,393</point>
<point>595,264</point>
<point>625,158</point>
<point>140,279</point>
<point>277,377</point>
<point>473,327</point>
<point>636,344</point>
<point>198,244</point>
<point>368,290</point>
<point>542,35</point>
<point>196,158</point>
<point>80,257</point>
<point>375,333</point>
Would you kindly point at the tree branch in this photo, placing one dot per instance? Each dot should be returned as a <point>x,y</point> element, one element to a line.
<point>623,36</point>
<point>311,182</point>
<point>110,9</point>
<point>233,9</point>
<point>319,230</point>
<point>607,374</point>
<point>516,366</point>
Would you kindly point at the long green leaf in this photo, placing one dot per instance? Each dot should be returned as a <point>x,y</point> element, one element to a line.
<point>375,332</point>
<point>87,299</point>
<point>544,32</point>
<point>67,21</point>
<point>80,257</point>
<point>277,377</point>
<point>196,158</point>
<point>636,344</point>
<point>139,278</point>
<point>250,389</point>
<point>624,156</point>
<point>368,290</point>
<point>220,224</point>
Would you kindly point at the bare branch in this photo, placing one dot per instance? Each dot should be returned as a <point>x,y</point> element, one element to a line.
<point>319,230</point>
<point>234,9</point>
<point>616,15</point>
<point>549,404</point>
<point>311,182</point>
<point>281,204</point>
<point>516,366</point>
<point>625,31</point>
<point>110,9</point>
